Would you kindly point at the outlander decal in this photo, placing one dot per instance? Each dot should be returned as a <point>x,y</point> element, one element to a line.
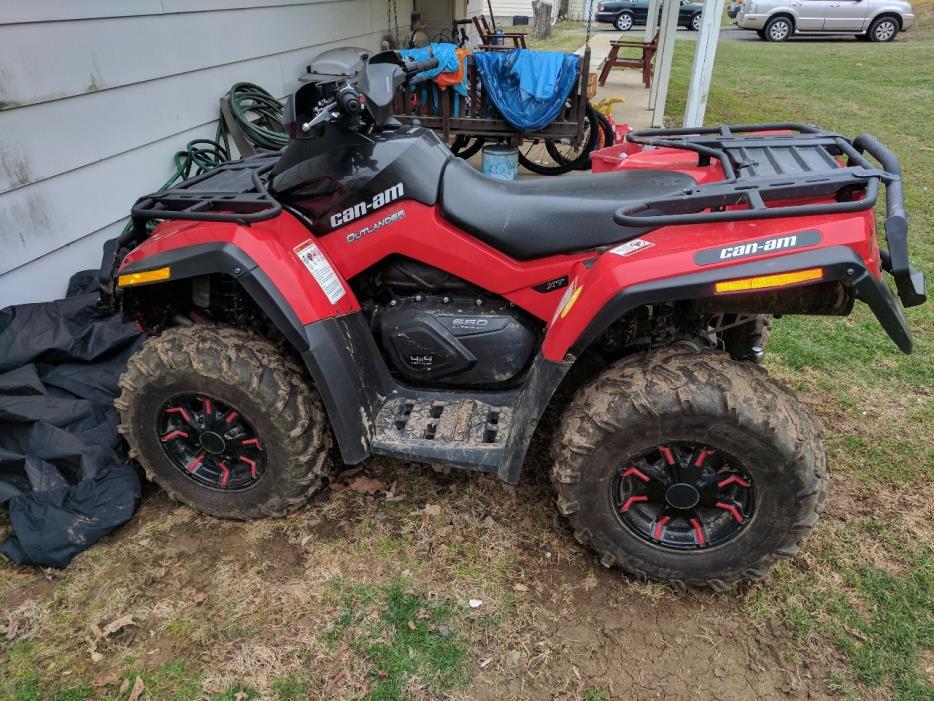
<point>758,247</point>
<point>376,226</point>
<point>380,199</point>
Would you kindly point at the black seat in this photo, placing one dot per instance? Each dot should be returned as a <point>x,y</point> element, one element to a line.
<point>541,217</point>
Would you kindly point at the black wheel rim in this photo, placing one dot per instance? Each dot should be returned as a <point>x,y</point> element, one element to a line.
<point>210,442</point>
<point>684,496</point>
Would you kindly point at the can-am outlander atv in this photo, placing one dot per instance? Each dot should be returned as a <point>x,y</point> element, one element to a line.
<point>366,287</point>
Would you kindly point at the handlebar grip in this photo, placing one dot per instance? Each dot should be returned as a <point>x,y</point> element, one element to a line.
<point>349,101</point>
<point>419,66</point>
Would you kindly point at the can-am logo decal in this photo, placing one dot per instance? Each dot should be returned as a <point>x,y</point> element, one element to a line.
<point>385,221</point>
<point>380,199</point>
<point>758,247</point>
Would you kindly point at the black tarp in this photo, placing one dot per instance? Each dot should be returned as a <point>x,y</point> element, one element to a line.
<point>64,474</point>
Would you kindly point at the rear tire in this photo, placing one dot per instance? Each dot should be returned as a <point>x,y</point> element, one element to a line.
<point>265,391</point>
<point>778,29</point>
<point>696,22</point>
<point>682,397</point>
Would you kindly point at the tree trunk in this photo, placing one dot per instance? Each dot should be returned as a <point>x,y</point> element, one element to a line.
<point>541,20</point>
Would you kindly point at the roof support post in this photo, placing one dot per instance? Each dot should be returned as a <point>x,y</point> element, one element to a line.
<point>658,95</point>
<point>651,21</point>
<point>702,70</point>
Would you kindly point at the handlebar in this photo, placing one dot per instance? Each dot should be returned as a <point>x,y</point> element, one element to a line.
<point>420,66</point>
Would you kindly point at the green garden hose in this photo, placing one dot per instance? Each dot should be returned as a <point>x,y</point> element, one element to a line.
<point>248,102</point>
<point>259,116</point>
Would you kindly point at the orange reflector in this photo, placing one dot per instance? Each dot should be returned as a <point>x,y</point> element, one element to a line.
<point>145,276</point>
<point>762,282</point>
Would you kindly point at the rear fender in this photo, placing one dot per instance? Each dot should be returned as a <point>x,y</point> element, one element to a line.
<point>684,263</point>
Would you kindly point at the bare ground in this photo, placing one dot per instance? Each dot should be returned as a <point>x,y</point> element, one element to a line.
<point>252,603</point>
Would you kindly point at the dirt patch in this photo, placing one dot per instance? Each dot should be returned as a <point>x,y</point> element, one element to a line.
<point>253,603</point>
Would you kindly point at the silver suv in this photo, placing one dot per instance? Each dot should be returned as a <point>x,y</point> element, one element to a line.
<point>776,20</point>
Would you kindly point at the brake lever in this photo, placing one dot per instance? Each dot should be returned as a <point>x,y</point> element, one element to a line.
<point>323,115</point>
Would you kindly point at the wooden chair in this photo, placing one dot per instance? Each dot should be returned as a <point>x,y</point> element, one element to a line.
<point>488,35</point>
<point>645,62</point>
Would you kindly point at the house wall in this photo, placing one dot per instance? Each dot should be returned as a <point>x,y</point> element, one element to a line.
<point>97,95</point>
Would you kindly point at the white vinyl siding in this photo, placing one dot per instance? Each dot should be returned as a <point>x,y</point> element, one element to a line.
<point>96,96</point>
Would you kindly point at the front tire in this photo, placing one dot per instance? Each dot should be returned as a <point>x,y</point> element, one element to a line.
<point>778,29</point>
<point>686,467</point>
<point>623,21</point>
<point>224,422</point>
<point>883,29</point>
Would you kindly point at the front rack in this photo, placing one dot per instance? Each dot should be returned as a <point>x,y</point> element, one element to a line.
<point>233,191</point>
<point>761,168</point>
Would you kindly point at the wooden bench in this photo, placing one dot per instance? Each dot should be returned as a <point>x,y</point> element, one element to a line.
<point>645,62</point>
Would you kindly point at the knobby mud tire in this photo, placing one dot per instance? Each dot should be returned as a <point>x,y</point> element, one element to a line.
<point>267,387</point>
<point>684,394</point>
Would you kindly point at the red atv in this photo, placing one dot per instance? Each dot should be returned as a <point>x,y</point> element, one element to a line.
<point>364,287</point>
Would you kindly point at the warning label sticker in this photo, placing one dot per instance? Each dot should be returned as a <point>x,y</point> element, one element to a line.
<point>313,259</point>
<point>630,247</point>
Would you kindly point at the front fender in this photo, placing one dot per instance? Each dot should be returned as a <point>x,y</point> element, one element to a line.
<point>264,256</point>
<point>322,329</point>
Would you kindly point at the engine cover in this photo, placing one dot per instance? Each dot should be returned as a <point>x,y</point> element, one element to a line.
<point>454,341</point>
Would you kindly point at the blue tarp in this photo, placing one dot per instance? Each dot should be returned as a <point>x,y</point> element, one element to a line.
<point>529,88</point>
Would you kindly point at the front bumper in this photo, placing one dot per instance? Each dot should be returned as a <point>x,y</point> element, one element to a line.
<point>908,22</point>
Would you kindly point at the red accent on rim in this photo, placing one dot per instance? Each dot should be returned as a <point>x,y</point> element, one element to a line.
<point>638,473</point>
<point>231,417</point>
<point>174,434</point>
<point>252,464</point>
<point>179,410</point>
<point>701,457</point>
<point>193,465</point>
<point>661,527</point>
<point>666,451</point>
<point>632,500</point>
<point>731,509</point>
<point>208,406</point>
<point>698,531</point>
<point>252,441</point>
<point>733,479</point>
<point>225,474</point>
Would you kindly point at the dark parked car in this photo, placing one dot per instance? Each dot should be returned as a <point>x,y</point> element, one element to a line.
<point>625,14</point>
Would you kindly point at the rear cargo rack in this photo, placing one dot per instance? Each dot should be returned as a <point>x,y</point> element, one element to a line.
<point>234,192</point>
<point>798,161</point>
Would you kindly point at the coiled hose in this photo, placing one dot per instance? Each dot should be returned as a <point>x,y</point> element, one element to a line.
<point>265,129</point>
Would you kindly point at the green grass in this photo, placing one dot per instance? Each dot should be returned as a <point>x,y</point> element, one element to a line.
<point>405,638</point>
<point>565,36</point>
<point>876,403</point>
